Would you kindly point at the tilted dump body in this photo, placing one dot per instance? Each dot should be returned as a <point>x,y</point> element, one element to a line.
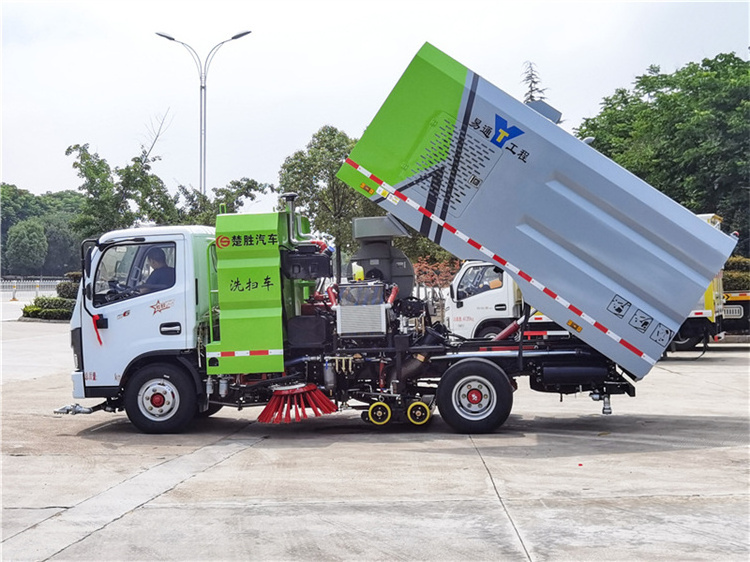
<point>592,246</point>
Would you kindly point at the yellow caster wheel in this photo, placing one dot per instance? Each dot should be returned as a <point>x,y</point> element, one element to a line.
<point>418,413</point>
<point>379,413</point>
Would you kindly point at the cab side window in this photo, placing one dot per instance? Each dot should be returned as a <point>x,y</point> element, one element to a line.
<point>129,270</point>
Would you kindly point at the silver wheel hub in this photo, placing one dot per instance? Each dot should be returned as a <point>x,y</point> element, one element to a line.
<point>474,397</point>
<point>158,399</point>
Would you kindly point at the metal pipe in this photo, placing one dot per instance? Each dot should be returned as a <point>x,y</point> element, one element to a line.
<point>502,354</point>
<point>394,294</point>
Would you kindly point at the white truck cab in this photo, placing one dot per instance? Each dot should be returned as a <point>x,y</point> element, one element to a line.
<point>122,318</point>
<point>483,300</point>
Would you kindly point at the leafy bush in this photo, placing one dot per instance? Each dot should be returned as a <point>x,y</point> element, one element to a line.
<point>736,280</point>
<point>54,314</point>
<point>737,263</point>
<point>74,276</point>
<point>31,311</point>
<point>50,308</point>
<point>54,302</point>
<point>67,289</point>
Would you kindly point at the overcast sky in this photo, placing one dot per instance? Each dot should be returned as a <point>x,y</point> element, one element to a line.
<point>96,73</point>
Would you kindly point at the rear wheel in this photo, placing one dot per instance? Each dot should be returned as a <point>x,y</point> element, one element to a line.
<point>683,343</point>
<point>160,398</point>
<point>474,396</point>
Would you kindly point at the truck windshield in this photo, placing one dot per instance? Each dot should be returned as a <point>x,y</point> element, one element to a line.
<point>479,279</point>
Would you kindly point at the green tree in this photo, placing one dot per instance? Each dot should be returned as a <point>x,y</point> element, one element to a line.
<point>26,248</point>
<point>67,202</point>
<point>687,134</point>
<point>534,91</point>
<point>416,247</point>
<point>149,198</point>
<point>201,209</point>
<point>197,208</point>
<point>119,198</point>
<point>328,201</point>
<point>54,211</point>
<point>63,245</point>
<point>16,205</point>
<point>108,204</point>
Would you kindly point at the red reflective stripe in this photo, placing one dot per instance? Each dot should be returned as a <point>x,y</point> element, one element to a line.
<point>550,293</point>
<point>352,163</point>
<point>259,352</point>
<point>499,260</point>
<point>400,195</point>
<point>525,275</point>
<point>602,328</point>
<point>425,212</point>
<point>227,353</point>
<point>474,243</point>
<point>376,179</point>
<point>575,310</point>
<point>632,348</point>
<point>449,228</point>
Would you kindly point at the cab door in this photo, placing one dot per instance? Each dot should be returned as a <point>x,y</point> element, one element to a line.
<point>122,319</point>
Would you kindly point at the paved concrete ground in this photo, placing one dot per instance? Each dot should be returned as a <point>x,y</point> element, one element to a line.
<point>664,478</point>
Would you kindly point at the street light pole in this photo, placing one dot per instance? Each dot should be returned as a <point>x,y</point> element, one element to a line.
<point>203,73</point>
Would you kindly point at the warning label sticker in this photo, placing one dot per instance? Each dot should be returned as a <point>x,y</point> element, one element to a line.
<point>662,335</point>
<point>641,321</point>
<point>619,306</point>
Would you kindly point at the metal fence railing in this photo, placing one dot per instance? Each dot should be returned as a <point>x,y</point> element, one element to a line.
<point>13,290</point>
<point>435,297</point>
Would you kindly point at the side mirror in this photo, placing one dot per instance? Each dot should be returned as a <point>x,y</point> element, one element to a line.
<point>87,246</point>
<point>457,297</point>
<point>87,262</point>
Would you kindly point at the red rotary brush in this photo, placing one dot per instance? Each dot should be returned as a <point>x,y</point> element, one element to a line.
<point>297,398</point>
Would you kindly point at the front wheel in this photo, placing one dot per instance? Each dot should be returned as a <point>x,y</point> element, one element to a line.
<point>160,398</point>
<point>489,333</point>
<point>474,396</point>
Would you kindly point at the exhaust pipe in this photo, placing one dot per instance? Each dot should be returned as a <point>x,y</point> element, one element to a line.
<point>295,235</point>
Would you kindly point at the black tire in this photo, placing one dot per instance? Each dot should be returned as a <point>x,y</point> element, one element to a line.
<point>474,396</point>
<point>682,343</point>
<point>212,409</point>
<point>489,332</point>
<point>160,398</point>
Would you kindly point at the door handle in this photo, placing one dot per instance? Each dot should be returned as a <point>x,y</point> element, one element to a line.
<point>500,307</point>
<point>170,329</point>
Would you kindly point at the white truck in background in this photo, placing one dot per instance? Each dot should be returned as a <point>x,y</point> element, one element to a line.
<point>483,301</point>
